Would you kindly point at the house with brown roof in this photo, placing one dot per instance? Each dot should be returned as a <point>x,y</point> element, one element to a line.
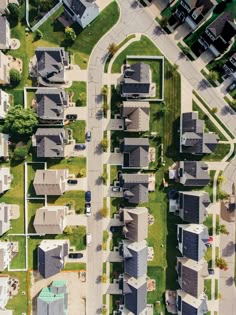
<point>4,70</point>
<point>135,115</point>
<point>5,179</point>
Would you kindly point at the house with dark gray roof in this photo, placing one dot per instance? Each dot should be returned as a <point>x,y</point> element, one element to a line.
<point>135,257</point>
<point>135,223</point>
<point>4,103</point>
<point>192,206</point>
<point>135,153</point>
<point>4,33</point>
<point>81,11</point>
<point>135,187</point>
<point>191,275</point>
<point>51,64</point>
<point>51,256</point>
<point>50,142</point>
<point>193,173</point>
<point>218,35</point>
<point>229,68</point>
<point>53,299</point>
<point>193,138</point>
<point>189,305</point>
<point>136,82</point>
<point>51,104</point>
<point>135,115</point>
<point>192,239</point>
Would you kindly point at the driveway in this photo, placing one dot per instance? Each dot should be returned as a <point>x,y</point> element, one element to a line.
<point>81,112</point>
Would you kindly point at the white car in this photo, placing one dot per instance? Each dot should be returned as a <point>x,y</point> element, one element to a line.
<point>88,209</point>
<point>89,239</point>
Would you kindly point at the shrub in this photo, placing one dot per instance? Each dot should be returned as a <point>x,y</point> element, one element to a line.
<point>104,212</point>
<point>14,13</point>
<point>15,77</point>
<point>20,153</point>
<point>38,35</point>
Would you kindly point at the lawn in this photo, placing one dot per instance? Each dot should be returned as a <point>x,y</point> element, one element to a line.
<point>209,223</point>
<point>208,257</point>
<point>30,94</point>
<point>18,262</point>
<point>78,91</point>
<point>207,285</point>
<point>216,289</point>
<point>33,205</point>
<point>78,129</point>
<point>74,198</point>
<point>73,164</point>
<point>116,268</point>
<point>75,266</point>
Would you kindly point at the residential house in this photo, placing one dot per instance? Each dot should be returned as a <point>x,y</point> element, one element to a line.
<point>3,6</point>
<point>4,291</point>
<point>5,255</point>
<point>50,142</point>
<point>188,304</point>
<point>229,67</point>
<point>217,36</point>
<point>191,275</point>
<point>51,256</point>
<point>193,173</point>
<point>50,182</point>
<point>5,179</point>
<point>5,215</point>
<point>51,104</point>
<point>135,257</point>
<point>191,206</point>
<point>135,187</point>
<point>136,116</point>
<point>192,239</point>
<point>193,12</point>
<point>50,219</point>
<point>53,299</point>
<point>81,11</point>
<point>51,64</point>
<point>4,33</point>
<point>194,139</point>
<point>135,223</point>
<point>135,153</point>
<point>136,82</point>
<point>4,140</point>
<point>4,103</point>
<point>4,69</point>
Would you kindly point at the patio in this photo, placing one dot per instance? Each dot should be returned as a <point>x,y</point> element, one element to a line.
<point>15,63</point>
<point>14,43</point>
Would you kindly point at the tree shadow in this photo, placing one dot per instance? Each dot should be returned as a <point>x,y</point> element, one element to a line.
<point>229,249</point>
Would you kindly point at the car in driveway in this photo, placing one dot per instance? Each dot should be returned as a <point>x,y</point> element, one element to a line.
<point>88,136</point>
<point>88,209</point>
<point>71,116</point>
<point>231,87</point>
<point>116,189</point>
<point>72,181</point>
<point>75,255</point>
<point>88,239</point>
<point>79,147</point>
<point>88,196</point>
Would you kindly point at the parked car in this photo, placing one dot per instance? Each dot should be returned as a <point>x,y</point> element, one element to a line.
<point>75,255</point>
<point>89,239</point>
<point>211,271</point>
<point>71,117</point>
<point>208,245</point>
<point>231,87</point>
<point>116,188</point>
<point>72,181</point>
<point>88,209</point>
<point>80,146</point>
<point>88,196</point>
<point>88,136</point>
<point>116,229</point>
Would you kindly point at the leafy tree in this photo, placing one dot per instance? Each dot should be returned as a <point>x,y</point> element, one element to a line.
<point>104,211</point>
<point>222,195</point>
<point>38,34</point>
<point>221,263</point>
<point>104,144</point>
<point>214,110</point>
<point>68,230</point>
<point>70,35</point>
<point>14,13</point>
<point>104,90</point>
<point>81,173</point>
<point>104,278</point>
<point>220,179</point>
<point>213,76</point>
<point>112,49</point>
<point>15,77</point>
<point>163,22</point>
<point>20,121</point>
<point>45,5</point>
<point>105,108</point>
<point>220,7</point>
<point>223,229</point>
<point>20,153</point>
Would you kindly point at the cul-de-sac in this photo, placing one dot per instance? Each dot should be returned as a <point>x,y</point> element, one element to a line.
<point>117,157</point>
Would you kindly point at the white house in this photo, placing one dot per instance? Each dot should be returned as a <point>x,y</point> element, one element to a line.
<point>4,291</point>
<point>5,255</point>
<point>4,103</point>
<point>4,138</point>
<point>81,11</point>
<point>5,215</point>
<point>5,179</point>
<point>4,69</point>
<point>4,33</point>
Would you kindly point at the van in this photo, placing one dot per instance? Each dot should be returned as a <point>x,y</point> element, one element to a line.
<point>88,239</point>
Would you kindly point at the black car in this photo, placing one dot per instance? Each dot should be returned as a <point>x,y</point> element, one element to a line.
<point>88,196</point>
<point>75,255</point>
<point>211,271</point>
<point>116,229</point>
<point>71,117</point>
<point>80,146</point>
<point>72,181</point>
<point>231,87</point>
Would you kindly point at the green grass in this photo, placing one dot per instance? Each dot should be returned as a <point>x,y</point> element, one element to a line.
<point>78,128</point>
<point>73,164</point>
<point>116,268</point>
<point>169,10</point>
<point>207,285</point>
<point>78,91</point>
<point>217,252</point>
<point>216,289</point>
<point>217,224</point>
<point>208,257</point>
<point>18,262</point>
<point>76,198</point>
<point>33,205</point>
<point>30,94</point>
<point>209,187</point>
<point>209,223</point>
<point>75,266</point>
<point>113,173</point>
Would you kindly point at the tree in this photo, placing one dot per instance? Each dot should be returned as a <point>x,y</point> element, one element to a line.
<point>38,34</point>
<point>223,229</point>
<point>68,230</point>
<point>220,179</point>
<point>14,13</point>
<point>105,108</point>
<point>163,22</point>
<point>220,7</point>
<point>81,173</point>
<point>20,153</point>
<point>112,49</point>
<point>104,178</point>
<point>70,35</point>
<point>105,90</point>
<point>213,76</point>
<point>15,77</point>
<point>104,211</point>
<point>20,121</point>
<point>221,263</point>
<point>222,195</point>
<point>104,278</point>
<point>214,110</point>
<point>104,144</point>
<point>45,5</point>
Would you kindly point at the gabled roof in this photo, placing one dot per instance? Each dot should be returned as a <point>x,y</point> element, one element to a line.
<point>137,149</point>
<point>193,173</point>
<point>136,223</point>
<point>223,26</point>
<point>189,305</point>
<point>135,187</point>
<point>79,6</point>
<point>201,6</point>
<point>4,27</point>
<point>136,115</point>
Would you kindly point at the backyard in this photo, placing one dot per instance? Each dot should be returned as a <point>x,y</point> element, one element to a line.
<point>73,198</point>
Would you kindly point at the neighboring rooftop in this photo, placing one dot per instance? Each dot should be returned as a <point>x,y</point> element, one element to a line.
<point>4,33</point>
<point>187,304</point>
<point>136,116</point>
<point>193,173</point>
<point>135,152</point>
<point>5,179</point>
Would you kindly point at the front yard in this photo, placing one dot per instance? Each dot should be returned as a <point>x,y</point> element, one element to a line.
<point>73,198</point>
<point>78,129</point>
<point>78,92</point>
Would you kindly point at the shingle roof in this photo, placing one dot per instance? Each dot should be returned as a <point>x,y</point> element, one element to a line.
<point>224,26</point>
<point>3,31</point>
<point>137,150</point>
<point>136,115</point>
<point>136,223</point>
<point>189,305</point>
<point>135,187</point>
<point>194,173</point>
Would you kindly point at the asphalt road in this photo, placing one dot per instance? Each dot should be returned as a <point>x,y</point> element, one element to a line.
<point>133,19</point>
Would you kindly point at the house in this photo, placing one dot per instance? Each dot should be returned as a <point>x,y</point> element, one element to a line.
<point>193,173</point>
<point>81,11</point>
<point>193,139</point>
<point>192,239</point>
<point>5,179</point>
<point>50,219</point>
<point>136,116</point>
<point>135,257</point>
<point>5,255</point>
<point>188,304</point>
<point>135,223</point>
<point>5,215</point>
<point>191,275</point>
<point>135,187</point>
<point>51,104</point>
<point>4,291</point>
<point>53,299</point>
<point>229,68</point>
<point>50,182</point>
<point>51,256</point>
<point>4,103</point>
<point>191,206</point>
<point>4,33</point>
<point>136,82</point>
<point>4,140</point>
<point>193,12</point>
<point>50,142</point>
<point>135,295</point>
<point>51,64</point>
<point>4,69</point>
<point>217,36</point>
<point>135,153</point>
